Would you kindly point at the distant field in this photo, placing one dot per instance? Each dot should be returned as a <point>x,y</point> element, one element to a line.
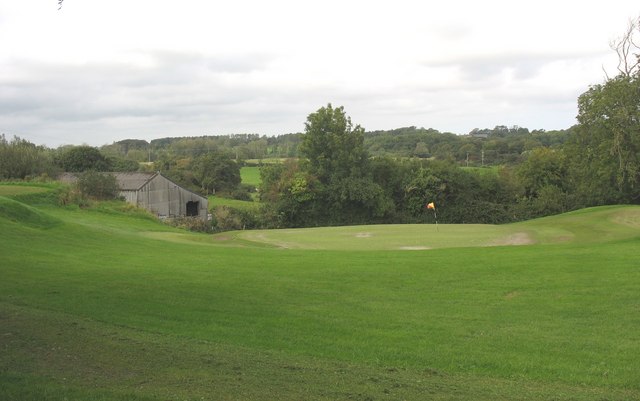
<point>269,160</point>
<point>215,201</point>
<point>250,175</point>
<point>97,304</point>
<point>488,170</point>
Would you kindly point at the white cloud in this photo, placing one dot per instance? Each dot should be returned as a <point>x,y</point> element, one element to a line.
<point>96,71</point>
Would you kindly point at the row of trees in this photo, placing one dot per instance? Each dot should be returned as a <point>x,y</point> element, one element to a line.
<point>207,173</point>
<point>21,159</point>
<point>238,146</point>
<point>337,182</point>
<point>482,147</point>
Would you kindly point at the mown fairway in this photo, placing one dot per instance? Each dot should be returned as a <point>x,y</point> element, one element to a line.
<point>108,304</point>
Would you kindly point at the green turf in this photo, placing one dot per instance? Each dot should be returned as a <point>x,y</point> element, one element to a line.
<point>107,304</point>
<point>27,216</point>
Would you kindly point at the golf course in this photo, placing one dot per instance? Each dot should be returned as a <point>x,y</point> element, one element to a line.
<point>108,303</point>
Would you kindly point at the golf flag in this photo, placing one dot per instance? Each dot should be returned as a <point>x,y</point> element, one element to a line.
<point>432,206</point>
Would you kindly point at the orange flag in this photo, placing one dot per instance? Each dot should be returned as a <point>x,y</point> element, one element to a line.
<point>431,205</point>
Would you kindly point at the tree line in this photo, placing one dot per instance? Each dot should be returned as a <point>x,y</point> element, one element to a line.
<point>481,147</point>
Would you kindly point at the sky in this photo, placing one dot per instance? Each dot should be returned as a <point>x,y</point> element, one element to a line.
<point>95,72</point>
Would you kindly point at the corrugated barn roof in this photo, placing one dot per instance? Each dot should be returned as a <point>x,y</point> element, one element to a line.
<point>132,181</point>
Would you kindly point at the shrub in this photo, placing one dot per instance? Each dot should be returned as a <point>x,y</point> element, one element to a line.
<point>97,185</point>
<point>71,196</point>
<point>227,219</point>
<point>243,192</point>
<point>190,223</point>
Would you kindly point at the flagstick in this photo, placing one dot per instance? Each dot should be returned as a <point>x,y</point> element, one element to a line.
<point>435,215</point>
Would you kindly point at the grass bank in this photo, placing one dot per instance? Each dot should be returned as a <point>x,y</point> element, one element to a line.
<point>108,306</point>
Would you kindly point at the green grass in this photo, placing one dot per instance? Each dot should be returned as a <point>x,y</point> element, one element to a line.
<point>250,175</point>
<point>105,305</point>
<point>215,201</point>
<point>14,211</point>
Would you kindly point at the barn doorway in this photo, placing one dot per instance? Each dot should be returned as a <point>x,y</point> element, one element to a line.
<point>192,208</point>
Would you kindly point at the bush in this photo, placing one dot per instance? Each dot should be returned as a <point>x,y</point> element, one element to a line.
<point>190,223</point>
<point>98,185</point>
<point>227,219</point>
<point>71,196</point>
<point>243,192</point>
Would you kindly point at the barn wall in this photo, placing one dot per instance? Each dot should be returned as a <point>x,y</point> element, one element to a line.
<point>129,196</point>
<point>167,199</point>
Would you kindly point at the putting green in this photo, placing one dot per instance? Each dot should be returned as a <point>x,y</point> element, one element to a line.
<point>589,225</point>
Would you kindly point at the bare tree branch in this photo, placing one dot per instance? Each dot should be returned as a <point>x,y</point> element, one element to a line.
<point>627,50</point>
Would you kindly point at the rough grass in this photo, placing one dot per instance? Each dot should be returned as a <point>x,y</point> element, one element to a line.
<point>109,307</point>
<point>17,189</point>
<point>58,356</point>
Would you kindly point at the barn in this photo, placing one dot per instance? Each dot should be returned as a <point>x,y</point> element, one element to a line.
<point>157,194</point>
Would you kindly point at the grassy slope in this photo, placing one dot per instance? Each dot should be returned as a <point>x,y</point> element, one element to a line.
<point>98,308</point>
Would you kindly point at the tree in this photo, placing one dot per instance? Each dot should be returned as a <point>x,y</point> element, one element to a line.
<point>20,159</point>
<point>604,150</point>
<point>97,185</point>
<point>606,145</point>
<point>83,158</point>
<point>216,171</point>
<point>333,146</point>
<point>120,164</point>
<point>337,159</point>
<point>290,195</point>
<point>628,50</point>
<point>543,167</point>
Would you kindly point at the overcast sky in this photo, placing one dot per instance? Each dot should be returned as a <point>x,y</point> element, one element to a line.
<point>100,71</point>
